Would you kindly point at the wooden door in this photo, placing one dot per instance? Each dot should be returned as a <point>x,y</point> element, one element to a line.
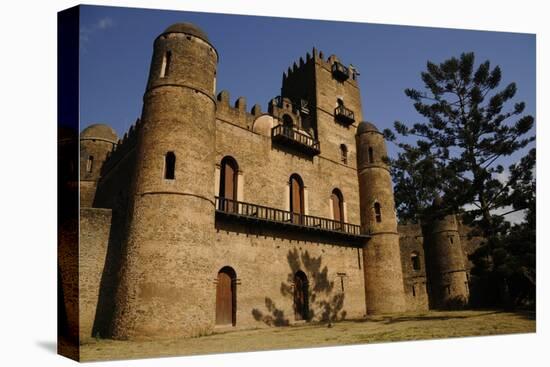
<point>229,186</point>
<point>300,296</point>
<point>296,200</point>
<point>224,299</point>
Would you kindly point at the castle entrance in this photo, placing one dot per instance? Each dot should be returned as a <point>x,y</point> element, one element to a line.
<point>301,304</point>
<point>226,297</point>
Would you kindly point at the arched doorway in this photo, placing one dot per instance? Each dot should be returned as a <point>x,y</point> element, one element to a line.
<point>226,297</point>
<point>296,198</point>
<point>301,294</point>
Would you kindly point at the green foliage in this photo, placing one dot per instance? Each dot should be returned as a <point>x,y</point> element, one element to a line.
<point>469,125</point>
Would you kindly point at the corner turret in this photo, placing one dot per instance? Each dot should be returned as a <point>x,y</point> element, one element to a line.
<point>382,257</point>
<point>445,265</point>
<point>96,142</point>
<point>172,191</point>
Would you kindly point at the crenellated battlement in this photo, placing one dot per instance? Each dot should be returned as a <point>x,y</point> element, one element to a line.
<point>236,113</point>
<point>318,57</point>
<point>121,148</point>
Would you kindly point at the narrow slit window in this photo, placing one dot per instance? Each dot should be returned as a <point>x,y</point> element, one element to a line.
<point>371,155</point>
<point>377,212</point>
<point>90,164</point>
<point>170,166</point>
<point>344,153</point>
<point>166,61</point>
<point>415,260</point>
<point>414,291</point>
<point>451,239</point>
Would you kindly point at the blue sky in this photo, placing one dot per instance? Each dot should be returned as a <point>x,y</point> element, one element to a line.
<point>116,46</point>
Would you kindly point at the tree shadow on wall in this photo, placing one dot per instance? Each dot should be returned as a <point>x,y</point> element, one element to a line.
<point>324,304</point>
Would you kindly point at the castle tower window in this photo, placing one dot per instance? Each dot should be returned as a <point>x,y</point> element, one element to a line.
<point>378,212</point>
<point>166,61</point>
<point>344,153</point>
<point>90,163</point>
<point>296,199</point>
<point>228,184</point>
<point>337,208</point>
<point>301,294</point>
<point>226,297</point>
<point>371,155</point>
<point>288,125</point>
<point>170,166</point>
<point>415,261</point>
<point>414,291</point>
<point>451,239</point>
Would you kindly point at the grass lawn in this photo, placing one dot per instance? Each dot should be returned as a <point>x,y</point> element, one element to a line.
<point>410,326</point>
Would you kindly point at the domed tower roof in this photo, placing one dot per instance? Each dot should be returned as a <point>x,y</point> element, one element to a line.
<point>99,131</point>
<point>187,28</point>
<point>366,126</point>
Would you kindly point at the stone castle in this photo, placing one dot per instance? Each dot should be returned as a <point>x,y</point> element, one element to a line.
<point>207,216</point>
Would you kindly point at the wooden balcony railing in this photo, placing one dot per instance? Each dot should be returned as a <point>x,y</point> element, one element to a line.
<point>344,115</point>
<point>296,139</point>
<point>254,212</point>
<point>340,71</point>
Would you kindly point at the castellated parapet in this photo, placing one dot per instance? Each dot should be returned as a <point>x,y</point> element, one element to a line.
<point>210,214</point>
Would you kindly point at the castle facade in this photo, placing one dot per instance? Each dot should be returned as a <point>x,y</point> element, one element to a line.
<point>207,215</point>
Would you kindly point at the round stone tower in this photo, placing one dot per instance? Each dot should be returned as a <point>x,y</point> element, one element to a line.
<point>384,288</point>
<point>447,279</point>
<point>171,213</point>
<point>96,141</point>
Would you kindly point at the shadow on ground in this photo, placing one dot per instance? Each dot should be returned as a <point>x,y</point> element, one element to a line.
<point>392,319</point>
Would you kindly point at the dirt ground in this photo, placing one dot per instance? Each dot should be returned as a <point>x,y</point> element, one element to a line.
<point>412,326</point>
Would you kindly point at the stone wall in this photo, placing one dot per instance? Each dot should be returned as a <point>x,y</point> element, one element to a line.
<point>95,227</point>
<point>411,242</point>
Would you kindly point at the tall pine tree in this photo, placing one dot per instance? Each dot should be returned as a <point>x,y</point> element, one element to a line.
<point>470,126</point>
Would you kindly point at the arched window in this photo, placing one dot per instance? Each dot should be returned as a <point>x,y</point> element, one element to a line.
<point>344,153</point>
<point>301,294</point>
<point>296,199</point>
<point>166,61</point>
<point>377,212</point>
<point>226,297</point>
<point>170,166</point>
<point>371,155</point>
<point>415,261</point>
<point>228,184</point>
<point>90,163</point>
<point>340,102</point>
<point>337,208</point>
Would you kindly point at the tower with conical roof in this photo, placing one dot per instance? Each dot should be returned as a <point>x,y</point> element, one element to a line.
<point>171,213</point>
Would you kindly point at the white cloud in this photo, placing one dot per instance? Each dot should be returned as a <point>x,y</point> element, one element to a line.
<point>105,23</point>
<point>86,31</point>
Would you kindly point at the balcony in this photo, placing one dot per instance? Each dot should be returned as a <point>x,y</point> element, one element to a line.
<point>296,139</point>
<point>285,219</point>
<point>344,115</point>
<point>340,71</point>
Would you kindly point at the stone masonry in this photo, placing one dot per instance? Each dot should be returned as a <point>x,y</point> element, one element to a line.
<point>206,216</point>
